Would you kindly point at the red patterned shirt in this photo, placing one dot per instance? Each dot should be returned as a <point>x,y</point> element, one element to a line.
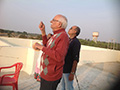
<point>53,55</point>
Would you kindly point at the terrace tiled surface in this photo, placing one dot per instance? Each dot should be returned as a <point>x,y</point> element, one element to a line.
<point>97,76</point>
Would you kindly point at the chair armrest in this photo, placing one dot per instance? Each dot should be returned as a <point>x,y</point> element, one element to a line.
<point>7,75</point>
<point>7,67</point>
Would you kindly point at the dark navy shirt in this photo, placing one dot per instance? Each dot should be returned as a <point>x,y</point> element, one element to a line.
<point>72,54</point>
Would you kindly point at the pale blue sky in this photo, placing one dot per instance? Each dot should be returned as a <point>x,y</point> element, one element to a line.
<point>90,15</point>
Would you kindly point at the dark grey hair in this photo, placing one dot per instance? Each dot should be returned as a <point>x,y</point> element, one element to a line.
<point>78,30</point>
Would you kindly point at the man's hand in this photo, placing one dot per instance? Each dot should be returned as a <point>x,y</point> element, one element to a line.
<point>37,46</point>
<point>71,77</point>
<point>42,26</point>
<point>33,46</point>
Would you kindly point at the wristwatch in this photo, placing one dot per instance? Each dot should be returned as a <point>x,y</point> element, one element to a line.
<point>72,73</point>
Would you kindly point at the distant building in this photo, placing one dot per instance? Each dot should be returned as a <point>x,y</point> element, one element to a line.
<point>95,36</point>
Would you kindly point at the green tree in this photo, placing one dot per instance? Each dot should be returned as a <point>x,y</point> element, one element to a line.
<point>39,37</point>
<point>25,33</point>
<point>22,36</point>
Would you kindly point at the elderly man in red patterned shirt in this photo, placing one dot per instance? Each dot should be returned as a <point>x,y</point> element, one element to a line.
<point>54,52</point>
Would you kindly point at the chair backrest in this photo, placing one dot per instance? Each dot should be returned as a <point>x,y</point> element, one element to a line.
<point>18,67</point>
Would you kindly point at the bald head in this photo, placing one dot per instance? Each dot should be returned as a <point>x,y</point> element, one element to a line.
<point>63,20</point>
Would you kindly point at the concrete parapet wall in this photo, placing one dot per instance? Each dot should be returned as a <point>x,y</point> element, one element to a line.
<point>96,55</point>
<point>5,41</point>
<point>11,55</point>
<point>84,47</point>
<point>14,50</point>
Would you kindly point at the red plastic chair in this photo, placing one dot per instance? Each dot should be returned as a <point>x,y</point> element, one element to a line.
<point>7,80</point>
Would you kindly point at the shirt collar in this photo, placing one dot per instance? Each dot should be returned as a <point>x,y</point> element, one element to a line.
<point>58,31</point>
<point>71,39</point>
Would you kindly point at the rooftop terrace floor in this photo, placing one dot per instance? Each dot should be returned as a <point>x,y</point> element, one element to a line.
<point>97,76</point>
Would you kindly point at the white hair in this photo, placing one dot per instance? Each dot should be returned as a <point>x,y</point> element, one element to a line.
<point>64,21</point>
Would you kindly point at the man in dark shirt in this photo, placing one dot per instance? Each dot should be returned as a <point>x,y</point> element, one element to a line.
<point>71,59</point>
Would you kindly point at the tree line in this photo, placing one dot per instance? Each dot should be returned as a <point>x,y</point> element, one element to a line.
<point>88,42</point>
<point>108,45</point>
<point>18,34</point>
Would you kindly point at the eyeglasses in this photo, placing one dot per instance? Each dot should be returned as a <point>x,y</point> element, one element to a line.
<point>55,20</point>
<point>70,28</point>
